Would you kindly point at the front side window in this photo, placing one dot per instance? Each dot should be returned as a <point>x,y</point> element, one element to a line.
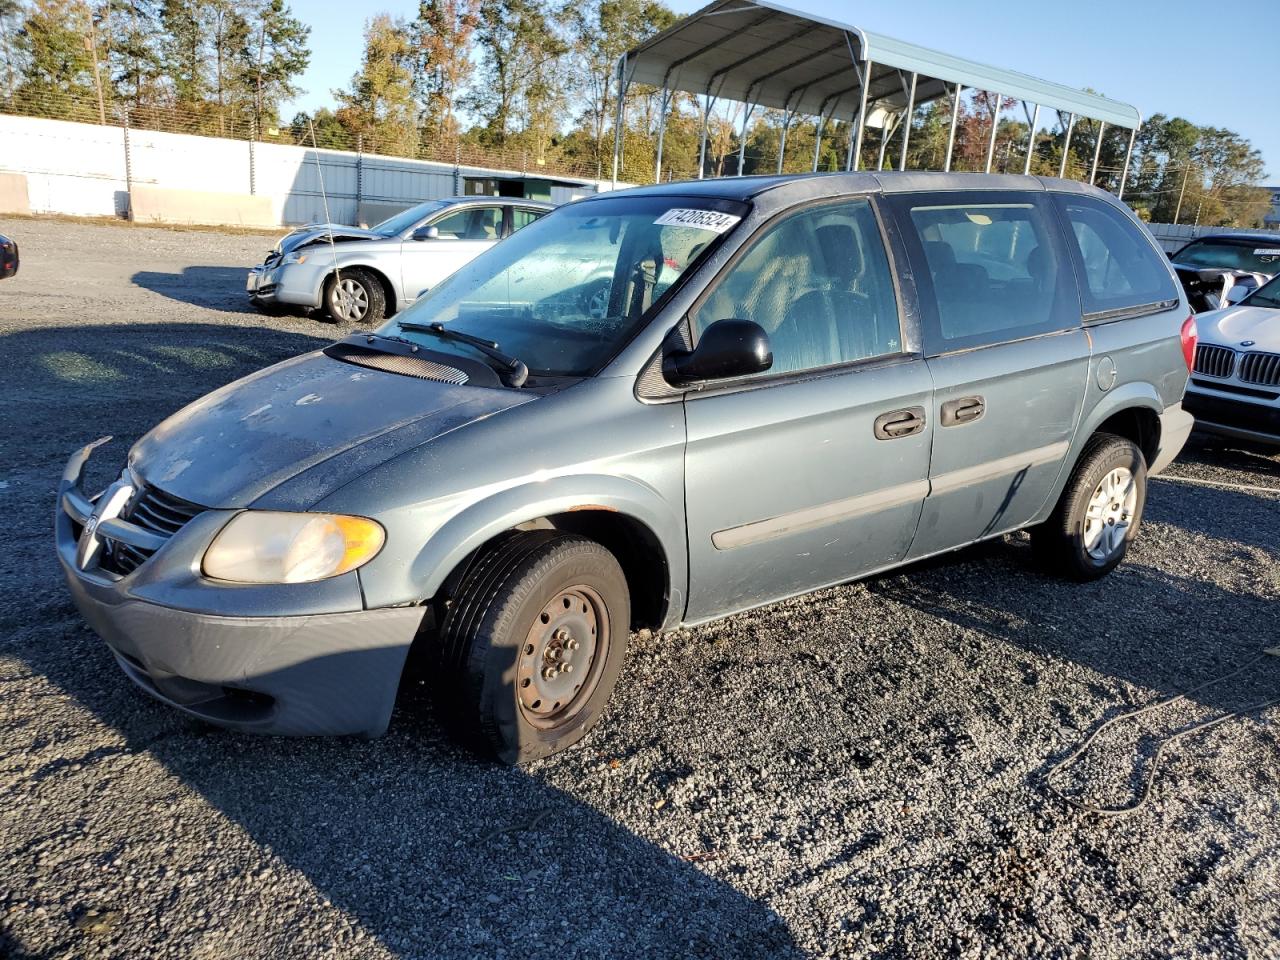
<point>565,293</point>
<point>819,283</point>
<point>1120,269</point>
<point>471,223</point>
<point>994,266</point>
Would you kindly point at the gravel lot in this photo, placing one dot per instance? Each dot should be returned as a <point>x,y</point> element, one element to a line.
<point>855,773</point>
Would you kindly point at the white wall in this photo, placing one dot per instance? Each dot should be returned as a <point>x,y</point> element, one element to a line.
<point>79,169</point>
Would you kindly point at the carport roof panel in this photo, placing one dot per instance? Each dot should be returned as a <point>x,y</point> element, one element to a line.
<point>763,52</point>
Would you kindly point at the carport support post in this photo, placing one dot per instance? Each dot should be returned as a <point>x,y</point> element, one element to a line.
<point>951,135</point>
<point>1031,140</point>
<point>862,117</point>
<point>747,110</point>
<point>995,125</point>
<point>906,122</point>
<point>1097,152</point>
<point>1066,146</point>
<point>662,130</point>
<point>708,103</point>
<point>1128,155</point>
<point>617,122</point>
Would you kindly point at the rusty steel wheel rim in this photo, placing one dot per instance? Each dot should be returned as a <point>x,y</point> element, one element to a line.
<point>562,656</point>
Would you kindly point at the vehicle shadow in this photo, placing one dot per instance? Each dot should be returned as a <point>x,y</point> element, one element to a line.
<point>1231,454</point>
<point>415,843</point>
<point>215,288</point>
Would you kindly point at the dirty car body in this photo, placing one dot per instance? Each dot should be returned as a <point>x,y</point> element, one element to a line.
<point>793,382</point>
<point>1221,269</point>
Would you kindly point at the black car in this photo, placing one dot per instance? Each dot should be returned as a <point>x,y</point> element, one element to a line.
<point>1223,269</point>
<point>8,257</point>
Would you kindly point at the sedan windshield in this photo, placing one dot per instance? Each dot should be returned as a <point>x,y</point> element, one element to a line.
<point>402,221</point>
<point>568,291</point>
<point>1253,256</point>
<point>1267,295</point>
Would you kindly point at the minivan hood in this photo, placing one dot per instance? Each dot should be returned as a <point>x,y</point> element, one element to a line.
<point>317,421</point>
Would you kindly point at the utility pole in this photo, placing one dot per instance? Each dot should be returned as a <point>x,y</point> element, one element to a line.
<point>91,44</point>
<point>1185,173</point>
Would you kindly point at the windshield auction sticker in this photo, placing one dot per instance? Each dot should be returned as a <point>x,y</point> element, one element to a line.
<point>712,220</point>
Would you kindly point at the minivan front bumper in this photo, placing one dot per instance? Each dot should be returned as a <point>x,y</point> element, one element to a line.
<point>294,675</point>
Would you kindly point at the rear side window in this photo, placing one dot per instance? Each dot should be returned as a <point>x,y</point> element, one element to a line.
<point>819,283</point>
<point>996,268</point>
<point>521,217</point>
<point>1119,269</point>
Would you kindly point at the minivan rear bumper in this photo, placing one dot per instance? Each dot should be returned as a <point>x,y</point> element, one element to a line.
<point>1176,425</point>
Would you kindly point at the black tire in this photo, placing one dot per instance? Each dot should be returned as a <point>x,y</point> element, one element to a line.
<point>366,299</point>
<point>1061,543</point>
<point>497,643</point>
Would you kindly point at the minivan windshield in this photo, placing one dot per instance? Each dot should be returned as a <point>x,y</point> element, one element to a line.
<point>1253,256</point>
<point>565,293</point>
<point>402,221</point>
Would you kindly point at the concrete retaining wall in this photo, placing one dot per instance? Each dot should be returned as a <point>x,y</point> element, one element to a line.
<point>161,205</point>
<point>13,193</point>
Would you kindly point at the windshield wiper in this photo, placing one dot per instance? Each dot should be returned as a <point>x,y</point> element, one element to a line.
<point>514,372</point>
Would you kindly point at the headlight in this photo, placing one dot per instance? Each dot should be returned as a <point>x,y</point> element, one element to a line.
<point>293,258</point>
<point>260,546</point>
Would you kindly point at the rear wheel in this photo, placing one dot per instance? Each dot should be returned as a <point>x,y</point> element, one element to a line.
<point>1098,515</point>
<point>532,644</point>
<point>355,296</point>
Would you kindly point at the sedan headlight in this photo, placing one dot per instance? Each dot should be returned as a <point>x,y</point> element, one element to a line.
<point>293,258</point>
<point>260,546</point>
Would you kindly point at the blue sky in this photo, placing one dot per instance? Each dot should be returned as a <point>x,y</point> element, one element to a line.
<point>1152,54</point>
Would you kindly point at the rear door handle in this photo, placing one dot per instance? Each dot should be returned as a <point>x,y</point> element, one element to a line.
<point>899,423</point>
<point>964,410</point>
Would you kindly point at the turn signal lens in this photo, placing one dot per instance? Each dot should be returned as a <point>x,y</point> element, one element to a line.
<point>1190,337</point>
<point>259,546</point>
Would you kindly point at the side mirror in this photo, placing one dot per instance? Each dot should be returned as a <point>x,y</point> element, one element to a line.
<point>727,348</point>
<point>425,233</point>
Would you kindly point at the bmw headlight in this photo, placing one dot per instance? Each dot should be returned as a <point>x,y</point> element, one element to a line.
<point>260,546</point>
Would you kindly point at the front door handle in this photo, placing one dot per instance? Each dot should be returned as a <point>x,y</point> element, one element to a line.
<point>899,423</point>
<point>964,410</point>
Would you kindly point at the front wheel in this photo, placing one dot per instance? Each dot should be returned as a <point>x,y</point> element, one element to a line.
<point>532,644</point>
<point>1097,517</point>
<point>355,296</point>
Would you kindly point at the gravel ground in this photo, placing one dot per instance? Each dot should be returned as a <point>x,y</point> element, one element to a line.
<point>859,772</point>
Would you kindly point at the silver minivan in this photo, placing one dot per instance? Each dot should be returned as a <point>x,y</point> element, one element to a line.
<point>649,408</point>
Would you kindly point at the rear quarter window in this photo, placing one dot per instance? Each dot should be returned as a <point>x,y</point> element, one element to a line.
<point>1118,267</point>
<point>995,267</point>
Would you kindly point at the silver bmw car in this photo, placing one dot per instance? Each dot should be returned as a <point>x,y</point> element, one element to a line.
<point>362,276</point>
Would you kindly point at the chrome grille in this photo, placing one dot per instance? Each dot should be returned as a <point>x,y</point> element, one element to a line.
<point>152,510</point>
<point>1261,368</point>
<point>1214,361</point>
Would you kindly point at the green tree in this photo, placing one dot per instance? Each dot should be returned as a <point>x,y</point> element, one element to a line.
<point>379,107</point>
<point>270,61</point>
<point>443,41</point>
<point>182,51</point>
<point>519,49</point>
<point>10,26</point>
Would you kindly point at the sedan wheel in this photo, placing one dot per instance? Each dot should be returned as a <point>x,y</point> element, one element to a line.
<point>356,296</point>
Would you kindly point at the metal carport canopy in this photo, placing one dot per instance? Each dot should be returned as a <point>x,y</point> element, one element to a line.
<point>766,54</point>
